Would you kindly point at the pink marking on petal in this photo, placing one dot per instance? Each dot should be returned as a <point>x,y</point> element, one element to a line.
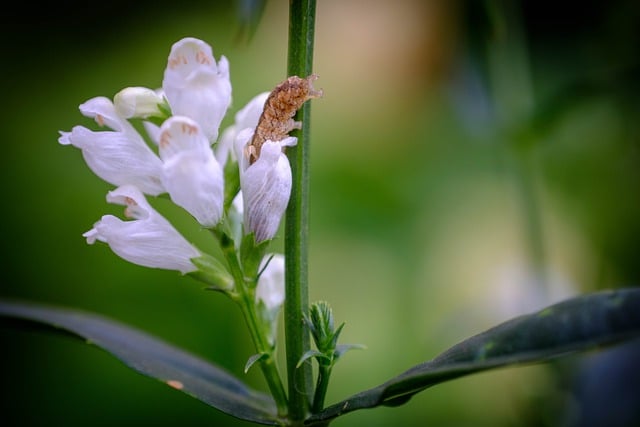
<point>189,129</point>
<point>165,139</point>
<point>203,58</point>
<point>129,201</point>
<point>177,60</point>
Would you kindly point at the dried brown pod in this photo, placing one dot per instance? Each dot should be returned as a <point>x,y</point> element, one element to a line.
<point>281,105</point>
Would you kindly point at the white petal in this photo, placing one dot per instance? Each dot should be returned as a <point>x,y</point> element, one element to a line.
<point>224,148</point>
<point>246,117</point>
<point>266,187</point>
<point>136,206</point>
<point>153,131</point>
<point>270,288</point>
<point>191,174</point>
<point>238,203</point>
<point>118,157</point>
<point>289,141</point>
<point>239,145</point>
<point>150,240</point>
<point>103,111</point>
<point>196,86</point>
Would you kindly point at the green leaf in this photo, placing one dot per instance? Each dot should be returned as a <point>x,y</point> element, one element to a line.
<point>582,323</point>
<point>343,348</point>
<point>312,353</point>
<point>253,359</point>
<point>151,357</point>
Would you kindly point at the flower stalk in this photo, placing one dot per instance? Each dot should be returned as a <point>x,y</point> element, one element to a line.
<point>300,63</point>
<point>245,300</point>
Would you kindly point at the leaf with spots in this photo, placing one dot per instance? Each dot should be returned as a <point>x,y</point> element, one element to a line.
<point>582,323</point>
<point>151,357</point>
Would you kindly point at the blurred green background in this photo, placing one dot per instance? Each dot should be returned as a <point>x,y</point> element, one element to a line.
<point>470,161</point>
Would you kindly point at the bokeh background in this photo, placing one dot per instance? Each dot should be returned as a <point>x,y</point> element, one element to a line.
<point>470,161</point>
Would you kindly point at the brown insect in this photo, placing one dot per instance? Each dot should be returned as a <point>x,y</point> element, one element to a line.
<point>281,105</point>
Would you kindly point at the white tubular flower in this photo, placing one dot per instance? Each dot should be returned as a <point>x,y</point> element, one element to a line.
<point>265,185</point>
<point>120,156</point>
<point>149,240</point>
<point>139,102</point>
<point>246,117</point>
<point>270,287</point>
<point>196,86</point>
<point>192,175</point>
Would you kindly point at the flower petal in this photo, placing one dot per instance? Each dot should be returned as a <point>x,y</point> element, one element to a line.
<point>102,110</point>
<point>118,157</point>
<point>196,86</point>
<point>266,187</point>
<point>149,240</point>
<point>191,174</point>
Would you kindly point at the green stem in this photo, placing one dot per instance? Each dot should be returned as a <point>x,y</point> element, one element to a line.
<point>324,372</point>
<point>300,61</point>
<point>245,300</point>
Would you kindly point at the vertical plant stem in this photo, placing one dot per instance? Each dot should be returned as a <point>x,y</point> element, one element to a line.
<point>300,62</point>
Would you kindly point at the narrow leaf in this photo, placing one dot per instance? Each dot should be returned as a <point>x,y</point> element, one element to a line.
<point>151,357</point>
<point>253,359</point>
<point>582,323</point>
<point>343,348</point>
<point>312,353</point>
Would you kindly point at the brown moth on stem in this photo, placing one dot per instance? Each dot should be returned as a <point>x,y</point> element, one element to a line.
<point>281,105</point>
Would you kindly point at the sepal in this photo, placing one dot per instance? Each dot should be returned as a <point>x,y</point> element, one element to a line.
<point>251,254</point>
<point>213,273</point>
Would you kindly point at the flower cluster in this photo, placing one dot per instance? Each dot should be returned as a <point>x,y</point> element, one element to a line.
<point>166,141</point>
<point>179,154</point>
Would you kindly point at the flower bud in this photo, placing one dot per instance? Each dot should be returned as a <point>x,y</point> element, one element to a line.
<point>138,102</point>
<point>270,293</point>
<point>270,288</point>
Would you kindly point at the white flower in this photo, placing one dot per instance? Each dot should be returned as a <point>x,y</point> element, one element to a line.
<point>192,175</point>
<point>196,86</point>
<point>140,102</point>
<point>270,287</point>
<point>149,240</point>
<point>120,156</point>
<point>265,185</point>
<point>246,117</point>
